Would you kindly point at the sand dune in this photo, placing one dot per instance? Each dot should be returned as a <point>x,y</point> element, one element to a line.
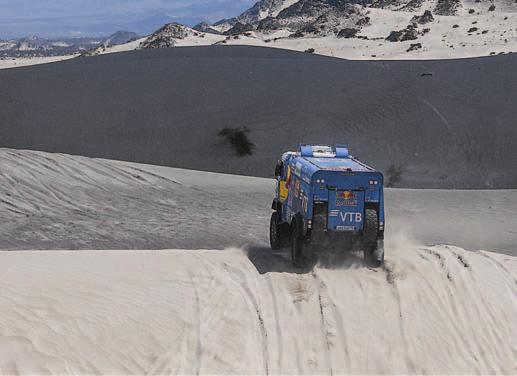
<point>58,201</point>
<point>431,310</point>
<point>444,124</point>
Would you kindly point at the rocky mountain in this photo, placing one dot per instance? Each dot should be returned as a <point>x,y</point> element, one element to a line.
<point>319,17</point>
<point>120,37</point>
<point>167,36</point>
<point>264,9</point>
<point>324,17</point>
<point>205,27</point>
<point>33,46</point>
<point>352,29</point>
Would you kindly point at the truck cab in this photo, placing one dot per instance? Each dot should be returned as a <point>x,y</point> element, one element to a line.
<point>326,200</point>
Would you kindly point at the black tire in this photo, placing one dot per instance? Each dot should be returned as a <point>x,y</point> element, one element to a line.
<point>370,237</point>
<point>276,235</point>
<point>297,257</point>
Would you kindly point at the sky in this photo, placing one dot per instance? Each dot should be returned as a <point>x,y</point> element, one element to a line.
<point>58,18</point>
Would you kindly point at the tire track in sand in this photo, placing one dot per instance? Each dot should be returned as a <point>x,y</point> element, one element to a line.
<point>277,321</point>
<point>324,297</point>
<point>391,279</point>
<point>325,325</point>
<point>260,319</point>
<point>199,352</point>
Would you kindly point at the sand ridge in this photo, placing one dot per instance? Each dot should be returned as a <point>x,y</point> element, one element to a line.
<point>430,310</point>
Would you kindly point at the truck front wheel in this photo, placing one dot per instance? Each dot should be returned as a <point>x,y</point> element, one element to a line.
<point>276,232</point>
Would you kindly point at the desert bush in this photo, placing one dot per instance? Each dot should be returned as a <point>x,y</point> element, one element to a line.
<point>310,50</point>
<point>238,139</point>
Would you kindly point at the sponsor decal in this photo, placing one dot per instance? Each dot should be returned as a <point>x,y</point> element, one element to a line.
<point>283,191</point>
<point>346,198</point>
<point>297,188</point>
<point>351,217</point>
<point>298,169</point>
<point>347,216</point>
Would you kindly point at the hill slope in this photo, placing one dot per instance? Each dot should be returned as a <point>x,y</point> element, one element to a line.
<point>431,309</point>
<point>440,123</point>
<point>56,201</point>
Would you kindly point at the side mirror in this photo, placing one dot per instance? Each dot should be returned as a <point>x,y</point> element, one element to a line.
<point>278,169</point>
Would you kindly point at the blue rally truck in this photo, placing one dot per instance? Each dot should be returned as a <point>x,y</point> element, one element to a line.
<point>326,200</point>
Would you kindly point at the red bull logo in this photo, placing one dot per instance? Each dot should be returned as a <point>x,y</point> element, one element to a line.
<point>347,195</point>
<point>346,198</point>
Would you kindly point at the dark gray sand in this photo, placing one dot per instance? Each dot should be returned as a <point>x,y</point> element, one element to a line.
<point>445,124</point>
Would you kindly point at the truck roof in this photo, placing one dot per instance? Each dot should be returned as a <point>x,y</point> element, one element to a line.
<point>338,164</point>
<point>309,159</point>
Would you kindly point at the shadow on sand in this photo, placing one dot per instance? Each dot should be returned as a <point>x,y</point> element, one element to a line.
<point>266,260</point>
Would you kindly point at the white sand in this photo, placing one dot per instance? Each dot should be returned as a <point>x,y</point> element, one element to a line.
<point>26,61</point>
<point>432,309</point>
<point>208,312</point>
<point>58,201</point>
<point>441,42</point>
<point>130,46</point>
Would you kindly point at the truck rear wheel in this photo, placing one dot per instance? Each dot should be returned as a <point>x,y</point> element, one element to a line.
<point>372,256</point>
<point>297,257</point>
<point>276,232</point>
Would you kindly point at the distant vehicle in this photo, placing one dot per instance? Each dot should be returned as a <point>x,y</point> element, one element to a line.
<point>326,200</point>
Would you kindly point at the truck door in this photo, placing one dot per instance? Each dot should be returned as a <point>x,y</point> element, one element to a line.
<point>345,210</point>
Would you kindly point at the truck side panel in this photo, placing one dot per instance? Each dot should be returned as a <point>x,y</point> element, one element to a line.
<point>299,198</point>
